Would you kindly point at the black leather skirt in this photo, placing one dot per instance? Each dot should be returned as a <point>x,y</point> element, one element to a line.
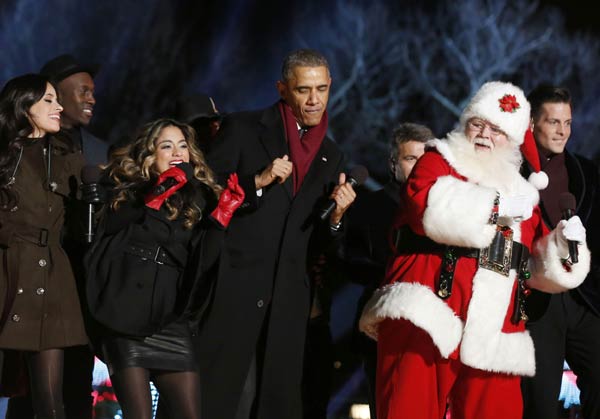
<point>170,349</point>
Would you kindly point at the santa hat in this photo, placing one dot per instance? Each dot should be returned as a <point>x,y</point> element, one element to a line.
<point>502,104</point>
<point>530,153</point>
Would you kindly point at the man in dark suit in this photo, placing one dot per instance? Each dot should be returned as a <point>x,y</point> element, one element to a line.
<point>75,88</point>
<point>251,344</point>
<point>566,325</point>
<point>369,225</point>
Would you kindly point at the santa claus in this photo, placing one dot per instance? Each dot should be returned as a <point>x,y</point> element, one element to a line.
<point>470,243</point>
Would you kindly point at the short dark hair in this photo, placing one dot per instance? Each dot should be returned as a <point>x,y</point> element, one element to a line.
<point>408,131</point>
<point>547,93</point>
<point>302,58</point>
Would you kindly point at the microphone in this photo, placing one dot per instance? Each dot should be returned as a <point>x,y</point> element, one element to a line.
<point>567,204</point>
<point>90,175</point>
<point>170,182</point>
<point>357,176</point>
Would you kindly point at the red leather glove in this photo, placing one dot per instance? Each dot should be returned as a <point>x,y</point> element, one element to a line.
<point>178,179</point>
<point>230,200</point>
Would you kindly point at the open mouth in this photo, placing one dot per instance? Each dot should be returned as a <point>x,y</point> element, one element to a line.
<point>175,162</point>
<point>481,144</point>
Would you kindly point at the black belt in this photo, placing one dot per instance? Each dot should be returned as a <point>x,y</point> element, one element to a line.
<point>520,252</point>
<point>157,254</point>
<point>408,242</point>
<point>36,235</point>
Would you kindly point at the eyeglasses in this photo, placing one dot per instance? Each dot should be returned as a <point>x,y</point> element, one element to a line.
<point>479,125</point>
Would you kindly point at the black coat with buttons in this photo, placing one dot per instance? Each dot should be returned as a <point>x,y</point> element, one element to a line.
<point>262,285</point>
<point>39,304</point>
<point>144,269</point>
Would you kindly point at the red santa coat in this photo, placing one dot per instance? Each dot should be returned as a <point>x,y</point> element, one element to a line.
<point>450,202</point>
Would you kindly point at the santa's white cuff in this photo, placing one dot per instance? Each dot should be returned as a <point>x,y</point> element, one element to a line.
<point>549,274</point>
<point>458,213</point>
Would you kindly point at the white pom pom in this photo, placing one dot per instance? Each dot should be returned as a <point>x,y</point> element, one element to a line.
<point>539,180</point>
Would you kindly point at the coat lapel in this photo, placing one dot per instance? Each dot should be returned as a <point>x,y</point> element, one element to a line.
<point>320,167</point>
<point>576,179</point>
<point>274,141</point>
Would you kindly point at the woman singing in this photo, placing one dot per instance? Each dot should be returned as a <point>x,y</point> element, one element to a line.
<point>39,307</point>
<point>160,233</point>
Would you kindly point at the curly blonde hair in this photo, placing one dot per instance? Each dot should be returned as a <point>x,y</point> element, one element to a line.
<point>132,168</point>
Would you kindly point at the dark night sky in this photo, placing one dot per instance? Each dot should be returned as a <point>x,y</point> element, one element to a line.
<point>231,49</point>
<point>578,15</point>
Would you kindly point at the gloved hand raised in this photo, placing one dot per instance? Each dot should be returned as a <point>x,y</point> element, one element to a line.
<point>519,207</point>
<point>571,229</point>
<point>230,200</point>
<point>169,182</point>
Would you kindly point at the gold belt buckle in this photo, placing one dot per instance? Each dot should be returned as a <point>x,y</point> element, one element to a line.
<point>498,255</point>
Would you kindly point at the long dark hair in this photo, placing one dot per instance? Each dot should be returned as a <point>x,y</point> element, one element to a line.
<point>17,97</point>
<point>132,170</point>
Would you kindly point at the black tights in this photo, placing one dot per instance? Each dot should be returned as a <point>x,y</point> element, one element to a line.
<point>46,381</point>
<point>180,391</point>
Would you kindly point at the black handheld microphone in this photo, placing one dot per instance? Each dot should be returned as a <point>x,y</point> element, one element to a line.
<point>170,182</point>
<point>90,175</point>
<point>567,204</point>
<point>357,176</point>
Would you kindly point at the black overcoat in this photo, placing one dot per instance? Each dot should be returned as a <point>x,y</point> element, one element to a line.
<point>262,283</point>
<point>583,184</point>
<point>143,269</point>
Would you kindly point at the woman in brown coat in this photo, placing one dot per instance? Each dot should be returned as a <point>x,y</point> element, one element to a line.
<point>39,307</point>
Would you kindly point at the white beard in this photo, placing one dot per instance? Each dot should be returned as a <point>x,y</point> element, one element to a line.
<point>497,168</point>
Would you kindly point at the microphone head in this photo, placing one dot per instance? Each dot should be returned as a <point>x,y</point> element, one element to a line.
<point>359,174</point>
<point>566,201</point>
<point>187,168</point>
<point>90,173</point>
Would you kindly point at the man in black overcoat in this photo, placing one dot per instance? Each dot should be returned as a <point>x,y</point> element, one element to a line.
<point>251,342</point>
<point>566,325</point>
<point>370,221</point>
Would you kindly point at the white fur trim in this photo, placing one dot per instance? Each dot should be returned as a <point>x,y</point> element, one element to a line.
<point>419,305</point>
<point>547,271</point>
<point>486,105</point>
<point>458,212</point>
<point>484,346</point>
<point>507,180</point>
<point>539,180</point>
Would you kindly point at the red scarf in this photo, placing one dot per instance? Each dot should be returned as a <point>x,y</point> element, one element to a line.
<point>302,150</point>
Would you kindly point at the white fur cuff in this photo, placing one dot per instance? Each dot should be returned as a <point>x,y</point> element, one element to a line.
<point>419,305</point>
<point>457,213</point>
<point>547,271</point>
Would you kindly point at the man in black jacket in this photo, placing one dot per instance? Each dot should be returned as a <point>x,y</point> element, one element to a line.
<point>75,88</point>
<point>251,345</point>
<point>369,226</point>
<point>564,326</point>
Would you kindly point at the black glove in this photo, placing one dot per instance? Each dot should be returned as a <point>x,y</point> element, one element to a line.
<point>93,193</point>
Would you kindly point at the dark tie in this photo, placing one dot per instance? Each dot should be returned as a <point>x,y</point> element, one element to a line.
<point>301,132</point>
